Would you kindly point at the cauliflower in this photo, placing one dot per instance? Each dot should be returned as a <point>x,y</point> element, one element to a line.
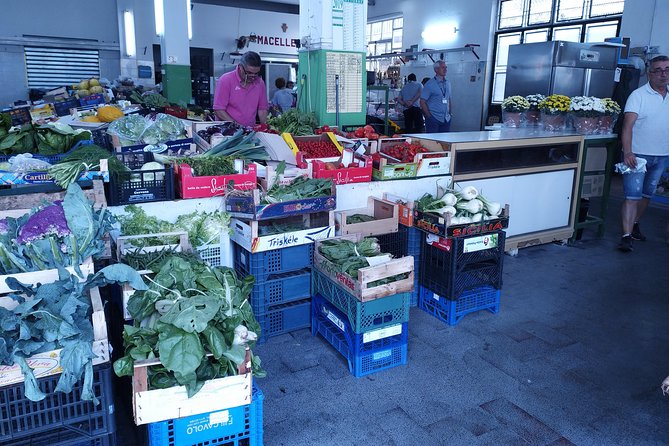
<point>49,220</point>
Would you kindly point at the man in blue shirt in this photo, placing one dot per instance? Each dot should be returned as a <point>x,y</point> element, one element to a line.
<point>410,98</point>
<point>435,101</point>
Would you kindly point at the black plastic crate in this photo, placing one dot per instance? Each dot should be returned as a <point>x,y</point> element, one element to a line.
<point>407,241</point>
<point>141,186</point>
<point>449,269</point>
<point>60,418</point>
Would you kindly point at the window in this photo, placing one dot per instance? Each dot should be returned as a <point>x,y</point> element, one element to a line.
<point>54,67</point>
<point>529,21</point>
<point>384,36</point>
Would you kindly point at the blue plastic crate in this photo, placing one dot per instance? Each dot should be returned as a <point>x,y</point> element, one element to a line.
<point>63,107</point>
<point>407,241</point>
<point>358,343</point>
<point>363,316</point>
<point>452,311</point>
<point>363,358</point>
<point>287,287</point>
<point>284,318</point>
<point>266,265</point>
<point>64,437</point>
<point>52,159</point>
<point>453,269</point>
<point>236,426</point>
<point>62,417</point>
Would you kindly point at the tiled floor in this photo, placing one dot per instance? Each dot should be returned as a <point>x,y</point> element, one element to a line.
<point>576,355</point>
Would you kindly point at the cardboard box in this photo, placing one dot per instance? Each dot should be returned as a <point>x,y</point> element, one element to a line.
<point>248,206</point>
<point>385,220</point>
<point>438,225</point>
<point>327,136</point>
<point>247,233</point>
<point>344,175</point>
<point>436,161</point>
<point>405,208</point>
<point>200,141</point>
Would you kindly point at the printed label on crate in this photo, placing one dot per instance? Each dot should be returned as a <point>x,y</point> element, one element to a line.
<point>379,260</point>
<point>43,364</point>
<point>381,333</point>
<point>481,243</point>
<point>334,319</point>
<point>220,417</point>
<point>383,354</point>
<point>444,244</point>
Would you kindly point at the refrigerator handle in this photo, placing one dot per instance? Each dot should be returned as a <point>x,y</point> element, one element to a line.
<point>586,81</point>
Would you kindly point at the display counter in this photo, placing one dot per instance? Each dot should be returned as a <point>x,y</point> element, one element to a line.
<point>537,173</point>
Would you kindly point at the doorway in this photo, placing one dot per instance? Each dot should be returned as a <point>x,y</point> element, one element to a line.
<point>201,69</point>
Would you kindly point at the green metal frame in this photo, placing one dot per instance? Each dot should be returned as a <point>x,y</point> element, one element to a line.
<point>598,221</point>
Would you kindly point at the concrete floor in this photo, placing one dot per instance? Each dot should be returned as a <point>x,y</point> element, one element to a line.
<point>575,355</point>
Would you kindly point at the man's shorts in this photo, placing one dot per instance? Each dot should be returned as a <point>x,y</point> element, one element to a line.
<point>643,185</point>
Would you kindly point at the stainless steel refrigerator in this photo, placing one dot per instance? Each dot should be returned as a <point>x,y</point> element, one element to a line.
<point>557,67</point>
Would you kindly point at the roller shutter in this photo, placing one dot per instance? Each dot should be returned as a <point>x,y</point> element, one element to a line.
<point>55,67</point>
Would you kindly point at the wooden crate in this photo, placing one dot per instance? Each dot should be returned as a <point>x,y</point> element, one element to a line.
<point>48,363</point>
<point>385,215</point>
<point>124,243</point>
<point>20,204</point>
<point>44,276</point>
<point>270,176</point>
<point>151,406</point>
<point>359,287</point>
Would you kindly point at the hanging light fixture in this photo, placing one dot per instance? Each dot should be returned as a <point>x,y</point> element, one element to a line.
<point>189,14</point>
<point>159,16</point>
<point>129,33</point>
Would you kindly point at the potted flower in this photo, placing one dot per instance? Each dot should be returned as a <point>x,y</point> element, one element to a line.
<point>513,108</point>
<point>554,112</point>
<point>585,113</point>
<point>532,115</point>
<point>608,120</point>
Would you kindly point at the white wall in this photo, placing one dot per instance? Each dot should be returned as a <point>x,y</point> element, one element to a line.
<point>218,27</point>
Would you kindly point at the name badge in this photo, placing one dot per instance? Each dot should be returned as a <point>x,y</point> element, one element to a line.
<point>444,101</point>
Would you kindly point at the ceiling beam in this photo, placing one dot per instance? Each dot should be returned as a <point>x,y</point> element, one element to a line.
<point>260,5</point>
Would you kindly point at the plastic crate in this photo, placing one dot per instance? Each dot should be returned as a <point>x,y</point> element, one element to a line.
<point>93,99</point>
<point>217,254</point>
<point>287,287</point>
<point>59,414</point>
<point>266,265</point>
<point>63,107</point>
<point>363,316</point>
<point>51,159</point>
<point>407,241</point>
<point>450,273</point>
<point>101,138</point>
<point>363,358</point>
<point>236,426</point>
<point>452,311</point>
<point>284,318</point>
<point>64,437</point>
<point>139,187</point>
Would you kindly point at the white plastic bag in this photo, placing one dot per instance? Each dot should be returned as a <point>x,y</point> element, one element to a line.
<point>624,168</point>
<point>25,162</point>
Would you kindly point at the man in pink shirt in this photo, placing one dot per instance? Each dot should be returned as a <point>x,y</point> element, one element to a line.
<point>241,94</point>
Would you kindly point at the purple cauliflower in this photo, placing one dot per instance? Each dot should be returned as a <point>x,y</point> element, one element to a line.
<point>49,220</point>
<point>4,227</point>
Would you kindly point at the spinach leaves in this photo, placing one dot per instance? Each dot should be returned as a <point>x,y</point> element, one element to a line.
<point>188,311</point>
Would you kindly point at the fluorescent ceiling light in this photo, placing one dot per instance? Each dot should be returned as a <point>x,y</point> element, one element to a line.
<point>159,15</point>
<point>129,29</point>
<point>190,20</point>
<point>444,32</point>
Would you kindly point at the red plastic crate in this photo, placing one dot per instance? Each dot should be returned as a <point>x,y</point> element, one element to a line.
<point>190,186</point>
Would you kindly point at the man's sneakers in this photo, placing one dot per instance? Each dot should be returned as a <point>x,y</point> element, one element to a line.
<point>626,243</point>
<point>636,233</point>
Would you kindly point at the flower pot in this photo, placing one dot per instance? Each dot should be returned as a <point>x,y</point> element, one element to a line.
<point>553,122</point>
<point>512,119</point>
<point>606,124</point>
<point>532,118</point>
<point>587,125</point>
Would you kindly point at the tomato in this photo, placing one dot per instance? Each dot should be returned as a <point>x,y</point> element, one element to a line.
<point>325,128</point>
<point>369,128</point>
<point>318,132</point>
<point>359,132</point>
